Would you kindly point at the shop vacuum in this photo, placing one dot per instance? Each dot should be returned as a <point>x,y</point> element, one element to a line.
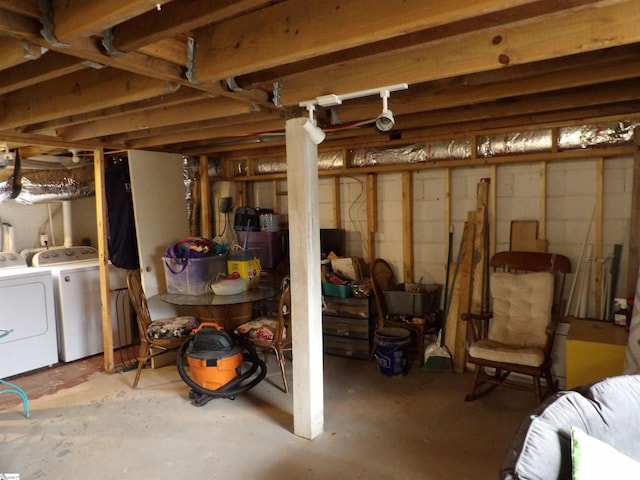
<point>215,358</point>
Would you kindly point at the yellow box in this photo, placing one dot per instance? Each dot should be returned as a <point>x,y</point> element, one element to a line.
<point>247,264</point>
<point>595,350</point>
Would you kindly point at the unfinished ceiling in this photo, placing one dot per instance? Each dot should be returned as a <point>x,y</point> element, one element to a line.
<point>202,77</point>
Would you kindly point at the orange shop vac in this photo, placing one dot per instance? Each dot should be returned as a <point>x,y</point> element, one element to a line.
<point>216,359</point>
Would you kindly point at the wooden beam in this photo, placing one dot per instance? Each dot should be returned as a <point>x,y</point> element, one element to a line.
<point>76,18</point>
<point>158,117</point>
<point>569,31</point>
<point>283,33</point>
<point>435,96</point>
<point>246,130</point>
<point>176,17</point>
<point>80,92</point>
<point>49,66</point>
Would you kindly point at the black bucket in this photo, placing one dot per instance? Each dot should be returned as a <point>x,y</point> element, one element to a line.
<point>392,351</point>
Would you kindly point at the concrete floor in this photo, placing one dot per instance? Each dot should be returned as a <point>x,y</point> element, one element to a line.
<point>91,425</point>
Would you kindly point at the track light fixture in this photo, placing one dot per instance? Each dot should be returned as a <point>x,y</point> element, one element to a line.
<point>315,133</point>
<point>384,122</point>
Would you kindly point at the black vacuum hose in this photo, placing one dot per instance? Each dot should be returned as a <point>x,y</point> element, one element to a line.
<point>235,386</point>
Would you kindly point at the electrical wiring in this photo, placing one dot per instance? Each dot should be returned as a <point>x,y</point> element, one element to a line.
<point>357,224</point>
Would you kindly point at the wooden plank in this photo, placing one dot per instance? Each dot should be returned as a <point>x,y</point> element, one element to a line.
<point>480,250</point>
<point>337,203</point>
<point>465,275</point>
<point>523,236</point>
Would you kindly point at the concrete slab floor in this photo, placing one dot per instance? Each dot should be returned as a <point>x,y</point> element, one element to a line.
<point>93,425</point>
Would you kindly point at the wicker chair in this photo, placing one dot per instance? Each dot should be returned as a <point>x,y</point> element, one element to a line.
<point>156,336</point>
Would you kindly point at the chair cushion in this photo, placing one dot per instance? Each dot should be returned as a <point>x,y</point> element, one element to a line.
<point>262,328</point>
<point>521,308</point>
<point>498,352</point>
<point>174,327</point>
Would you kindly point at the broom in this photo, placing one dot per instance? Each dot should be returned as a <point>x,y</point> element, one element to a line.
<point>437,356</point>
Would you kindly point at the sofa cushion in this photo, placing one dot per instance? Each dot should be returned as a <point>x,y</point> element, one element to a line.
<point>608,410</point>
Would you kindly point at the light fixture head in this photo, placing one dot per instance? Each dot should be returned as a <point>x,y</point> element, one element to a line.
<point>385,121</point>
<point>74,155</point>
<point>316,134</point>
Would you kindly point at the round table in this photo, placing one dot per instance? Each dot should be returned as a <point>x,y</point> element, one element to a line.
<point>228,311</point>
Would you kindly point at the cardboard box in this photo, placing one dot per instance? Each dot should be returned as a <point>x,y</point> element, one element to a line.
<point>192,278</point>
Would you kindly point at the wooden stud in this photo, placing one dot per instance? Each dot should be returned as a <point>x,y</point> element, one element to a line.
<point>204,198</point>
<point>103,258</point>
<point>337,203</point>
<point>372,214</point>
<point>407,226</point>
<point>598,267</point>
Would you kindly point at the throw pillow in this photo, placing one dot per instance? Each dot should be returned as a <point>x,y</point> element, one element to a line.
<point>593,459</point>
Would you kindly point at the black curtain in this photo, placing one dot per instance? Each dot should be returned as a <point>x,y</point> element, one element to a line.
<point>123,243</point>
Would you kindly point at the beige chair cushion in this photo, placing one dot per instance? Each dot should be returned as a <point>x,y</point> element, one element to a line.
<point>521,313</point>
<point>499,352</point>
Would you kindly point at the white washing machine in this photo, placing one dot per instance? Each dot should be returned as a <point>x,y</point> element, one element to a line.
<point>76,280</point>
<point>27,312</point>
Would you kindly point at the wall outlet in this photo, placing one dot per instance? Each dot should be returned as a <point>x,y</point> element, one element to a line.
<point>44,240</point>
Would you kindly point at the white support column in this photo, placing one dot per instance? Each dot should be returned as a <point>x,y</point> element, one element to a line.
<point>306,302</point>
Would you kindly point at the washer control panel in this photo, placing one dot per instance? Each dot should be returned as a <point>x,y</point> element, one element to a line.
<point>60,255</point>
<point>10,259</point>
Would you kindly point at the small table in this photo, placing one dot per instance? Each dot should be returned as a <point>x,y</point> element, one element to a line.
<point>228,311</point>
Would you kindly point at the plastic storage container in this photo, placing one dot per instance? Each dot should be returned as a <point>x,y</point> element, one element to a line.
<point>193,279</point>
<point>401,300</point>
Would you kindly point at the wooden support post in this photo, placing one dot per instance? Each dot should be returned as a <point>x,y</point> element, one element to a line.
<point>598,267</point>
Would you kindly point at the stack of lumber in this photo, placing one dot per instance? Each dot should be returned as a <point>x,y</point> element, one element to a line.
<point>469,283</point>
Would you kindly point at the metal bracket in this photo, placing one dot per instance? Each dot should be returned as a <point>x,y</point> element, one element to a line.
<point>191,61</point>
<point>233,85</point>
<point>26,51</point>
<point>107,43</point>
<point>276,94</point>
<point>46,8</point>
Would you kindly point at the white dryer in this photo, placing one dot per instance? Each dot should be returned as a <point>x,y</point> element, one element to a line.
<point>76,279</point>
<point>27,313</point>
